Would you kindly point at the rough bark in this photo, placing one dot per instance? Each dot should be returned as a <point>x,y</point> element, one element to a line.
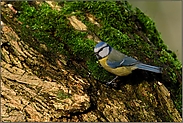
<point>37,89</point>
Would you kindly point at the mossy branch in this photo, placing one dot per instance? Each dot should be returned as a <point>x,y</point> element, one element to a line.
<point>127,30</point>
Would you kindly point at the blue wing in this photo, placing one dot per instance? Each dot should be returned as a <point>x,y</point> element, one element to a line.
<point>116,59</point>
<point>127,61</point>
<point>113,64</point>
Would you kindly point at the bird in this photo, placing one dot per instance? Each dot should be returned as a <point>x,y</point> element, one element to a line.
<point>118,63</point>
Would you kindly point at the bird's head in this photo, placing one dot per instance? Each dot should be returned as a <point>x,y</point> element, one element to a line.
<point>102,50</point>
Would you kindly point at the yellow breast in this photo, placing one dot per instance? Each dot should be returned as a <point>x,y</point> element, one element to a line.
<point>119,71</point>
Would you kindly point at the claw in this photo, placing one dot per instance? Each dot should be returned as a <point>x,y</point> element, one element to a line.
<point>111,82</point>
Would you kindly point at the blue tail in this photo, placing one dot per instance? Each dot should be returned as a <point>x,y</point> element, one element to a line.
<point>149,68</point>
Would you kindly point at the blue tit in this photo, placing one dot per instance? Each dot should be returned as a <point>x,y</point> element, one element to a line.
<point>118,63</point>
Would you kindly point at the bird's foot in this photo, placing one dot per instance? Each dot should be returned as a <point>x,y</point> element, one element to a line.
<point>111,83</point>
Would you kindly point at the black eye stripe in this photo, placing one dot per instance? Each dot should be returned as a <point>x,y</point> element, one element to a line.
<point>102,49</point>
<point>97,53</point>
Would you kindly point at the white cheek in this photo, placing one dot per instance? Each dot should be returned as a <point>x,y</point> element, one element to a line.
<point>104,52</point>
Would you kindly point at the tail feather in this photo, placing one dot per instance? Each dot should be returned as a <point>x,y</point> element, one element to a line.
<point>149,68</point>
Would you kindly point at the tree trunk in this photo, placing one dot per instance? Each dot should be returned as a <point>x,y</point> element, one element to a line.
<point>42,87</point>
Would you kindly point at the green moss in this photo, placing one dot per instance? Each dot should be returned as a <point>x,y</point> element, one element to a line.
<point>127,30</point>
<point>62,95</point>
